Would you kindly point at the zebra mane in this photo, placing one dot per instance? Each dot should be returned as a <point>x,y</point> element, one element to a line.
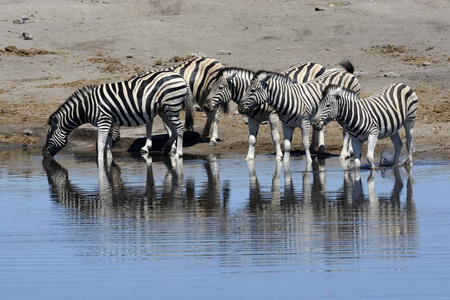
<point>227,70</point>
<point>263,76</point>
<point>78,95</point>
<point>332,88</point>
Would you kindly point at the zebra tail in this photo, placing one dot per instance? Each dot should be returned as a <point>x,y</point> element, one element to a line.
<point>189,105</point>
<point>348,66</point>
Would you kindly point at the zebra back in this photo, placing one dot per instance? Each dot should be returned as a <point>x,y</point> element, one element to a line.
<point>199,72</point>
<point>388,109</point>
<point>303,72</point>
<point>137,101</point>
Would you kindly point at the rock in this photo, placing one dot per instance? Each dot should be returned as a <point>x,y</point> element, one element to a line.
<point>18,21</point>
<point>223,52</point>
<point>360,73</point>
<point>27,132</point>
<point>392,74</point>
<point>426,64</point>
<point>245,120</point>
<point>129,56</point>
<point>319,8</point>
<point>24,18</point>
<point>12,49</point>
<point>26,35</point>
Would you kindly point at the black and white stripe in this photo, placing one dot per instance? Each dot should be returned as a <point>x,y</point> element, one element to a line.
<point>232,83</point>
<point>128,103</point>
<point>376,117</point>
<point>199,72</point>
<point>295,104</point>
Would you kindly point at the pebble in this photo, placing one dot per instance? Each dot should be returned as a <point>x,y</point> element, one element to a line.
<point>27,132</point>
<point>392,74</point>
<point>223,52</point>
<point>426,64</point>
<point>319,8</point>
<point>26,35</point>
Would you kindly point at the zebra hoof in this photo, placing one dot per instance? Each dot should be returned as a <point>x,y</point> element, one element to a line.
<point>212,143</point>
<point>144,150</point>
<point>321,149</point>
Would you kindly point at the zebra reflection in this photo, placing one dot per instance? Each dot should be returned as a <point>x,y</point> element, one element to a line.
<point>116,198</point>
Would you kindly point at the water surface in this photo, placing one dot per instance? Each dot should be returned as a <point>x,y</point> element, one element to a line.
<point>204,227</point>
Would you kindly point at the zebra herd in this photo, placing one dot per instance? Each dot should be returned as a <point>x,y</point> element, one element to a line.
<point>302,96</point>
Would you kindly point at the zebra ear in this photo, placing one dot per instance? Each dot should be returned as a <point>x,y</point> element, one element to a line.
<point>337,93</point>
<point>265,79</point>
<point>229,80</point>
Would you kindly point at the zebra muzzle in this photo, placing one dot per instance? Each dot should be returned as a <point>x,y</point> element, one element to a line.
<point>46,153</point>
<point>317,124</point>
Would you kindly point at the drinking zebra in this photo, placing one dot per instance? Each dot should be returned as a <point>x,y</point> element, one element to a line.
<point>232,83</point>
<point>200,72</point>
<point>376,117</point>
<point>128,103</point>
<point>295,104</point>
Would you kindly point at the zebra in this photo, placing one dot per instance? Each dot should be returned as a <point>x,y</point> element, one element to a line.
<point>295,104</point>
<point>377,117</point>
<point>200,72</point>
<point>129,103</point>
<point>231,84</point>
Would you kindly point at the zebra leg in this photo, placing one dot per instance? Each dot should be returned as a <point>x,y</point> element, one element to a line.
<point>274,121</point>
<point>103,129</point>
<point>318,140</point>
<point>357,146</point>
<point>207,128</point>
<point>287,132</point>
<point>346,145</point>
<point>398,144</point>
<point>108,147</point>
<point>215,123</point>
<point>148,141</point>
<point>371,143</point>
<point>409,126</point>
<point>305,139</point>
<point>176,127</point>
<point>253,127</point>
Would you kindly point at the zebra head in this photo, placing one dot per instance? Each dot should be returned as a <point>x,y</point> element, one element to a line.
<point>56,137</point>
<point>328,107</point>
<point>220,93</point>
<point>257,94</point>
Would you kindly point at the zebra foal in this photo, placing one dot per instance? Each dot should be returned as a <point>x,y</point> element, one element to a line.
<point>376,117</point>
<point>128,103</point>
<point>295,104</point>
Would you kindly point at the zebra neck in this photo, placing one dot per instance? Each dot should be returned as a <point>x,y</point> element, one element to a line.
<point>348,111</point>
<point>239,89</point>
<point>77,112</point>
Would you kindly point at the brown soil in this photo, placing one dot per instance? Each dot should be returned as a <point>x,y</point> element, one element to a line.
<point>77,43</point>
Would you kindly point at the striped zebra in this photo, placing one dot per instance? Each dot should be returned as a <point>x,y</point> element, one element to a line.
<point>128,103</point>
<point>232,83</point>
<point>200,72</point>
<point>295,104</point>
<point>376,117</point>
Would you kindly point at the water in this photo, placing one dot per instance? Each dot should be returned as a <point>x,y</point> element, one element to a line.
<point>204,228</point>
